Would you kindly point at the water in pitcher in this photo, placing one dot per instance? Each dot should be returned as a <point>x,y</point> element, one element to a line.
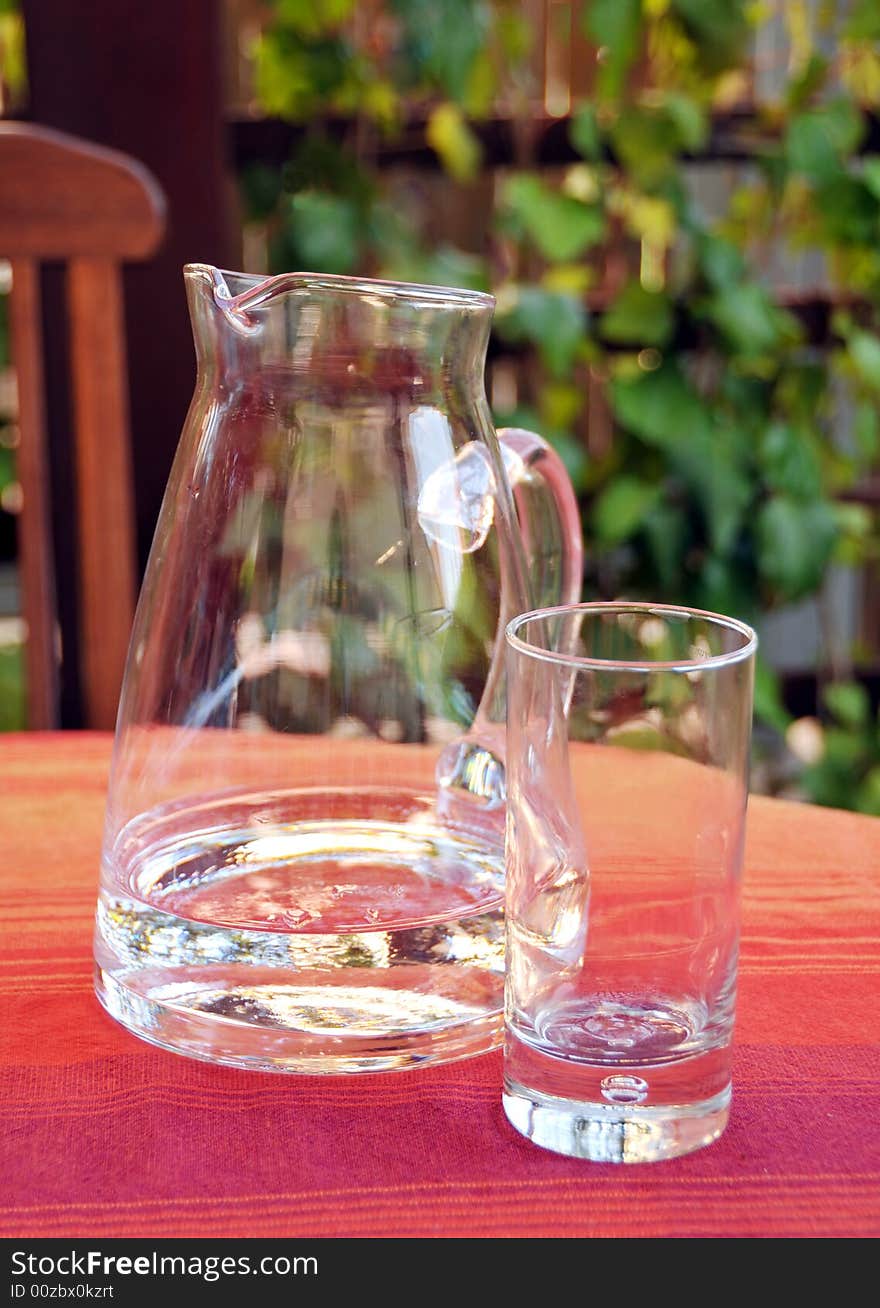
<point>318,941</point>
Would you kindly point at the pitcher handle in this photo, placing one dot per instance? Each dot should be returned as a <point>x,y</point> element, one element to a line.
<point>539,482</point>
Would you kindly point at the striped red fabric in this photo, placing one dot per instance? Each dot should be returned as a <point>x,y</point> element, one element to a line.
<point>104,1135</point>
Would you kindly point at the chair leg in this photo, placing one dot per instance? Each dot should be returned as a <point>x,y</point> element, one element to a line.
<point>105,510</point>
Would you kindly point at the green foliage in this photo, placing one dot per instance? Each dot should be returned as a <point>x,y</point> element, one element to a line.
<point>12,699</point>
<point>818,141</point>
<point>622,508</point>
<point>455,143</point>
<point>648,139</point>
<point>667,414</point>
<point>560,226</point>
<point>616,27</point>
<point>795,542</point>
<point>749,321</point>
<point>13,65</point>
<point>769,707</point>
<point>442,45</point>
<point>864,351</point>
<point>721,485</point>
<point>718,29</point>
<point>550,320</point>
<point>848,702</point>
<point>639,315</point>
<point>586,136</point>
<point>847,773</point>
<point>325,231</point>
<point>864,21</point>
<point>7,467</point>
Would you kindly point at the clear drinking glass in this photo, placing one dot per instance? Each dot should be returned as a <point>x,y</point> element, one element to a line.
<point>628,744</point>
<point>303,855</point>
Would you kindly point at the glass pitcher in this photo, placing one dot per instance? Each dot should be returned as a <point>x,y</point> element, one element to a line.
<point>303,854</point>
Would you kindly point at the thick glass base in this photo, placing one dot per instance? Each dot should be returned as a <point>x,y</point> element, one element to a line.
<point>615,1133</point>
<point>326,1028</point>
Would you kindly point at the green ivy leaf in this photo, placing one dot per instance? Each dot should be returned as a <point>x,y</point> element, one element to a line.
<point>260,190</point>
<point>666,412</point>
<point>831,780</point>
<point>688,119</point>
<point>13,702</point>
<point>808,81</point>
<point>8,471</point>
<point>718,28</point>
<point>322,164</point>
<point>848,211</point>
<point>795,542</point>
<point>789,462</point>
<point>584,133</point>
<point>556,323</point>
<point>855,524</point>
<point>561,227</point>
<point>639,317</point>
<point>440,42</point>
<point>722,264</point>
<point>326,231</point>
<point>864,351</point>
<point>726,586</point>
<point>769,706</point>
<point>296,77</point>
<point>665,530</point>
<point>514,35</point>
<point>868,794</point>
<point>661,408</point>
<point>845,752</point>
<point>818,140</point>
<point>561,402</point>
<point>750,321</point>
<point>311,17</point>
<point>848,702</point>
<point>871,176</point>
<point>482,86</point>
<point>866,429</point>
<point>645,142</point>
<point>863,23</point>
<point>622,508</point>
<point>458,149</point>
<point>800,391</point>
<point>725,493</point>
<point>616,27</point>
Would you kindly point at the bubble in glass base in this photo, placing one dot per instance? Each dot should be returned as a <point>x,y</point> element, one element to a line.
<point>610,1110</point>
<point>615,1133</point>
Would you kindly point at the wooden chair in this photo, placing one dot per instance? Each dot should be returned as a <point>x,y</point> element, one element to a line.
<point>65,200</point>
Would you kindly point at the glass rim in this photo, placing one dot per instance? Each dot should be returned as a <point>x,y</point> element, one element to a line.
<point>648,609</point>
<point>257,287</point>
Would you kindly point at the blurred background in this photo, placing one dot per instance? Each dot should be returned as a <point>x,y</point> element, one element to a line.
<point>677,206</point>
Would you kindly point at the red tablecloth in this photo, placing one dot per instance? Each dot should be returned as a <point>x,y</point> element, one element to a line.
<point>105,1135</point>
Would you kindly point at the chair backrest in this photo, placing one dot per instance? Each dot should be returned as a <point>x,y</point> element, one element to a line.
<point>65,200</point>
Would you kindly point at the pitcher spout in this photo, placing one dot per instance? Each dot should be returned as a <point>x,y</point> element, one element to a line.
<point>343,329</point>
